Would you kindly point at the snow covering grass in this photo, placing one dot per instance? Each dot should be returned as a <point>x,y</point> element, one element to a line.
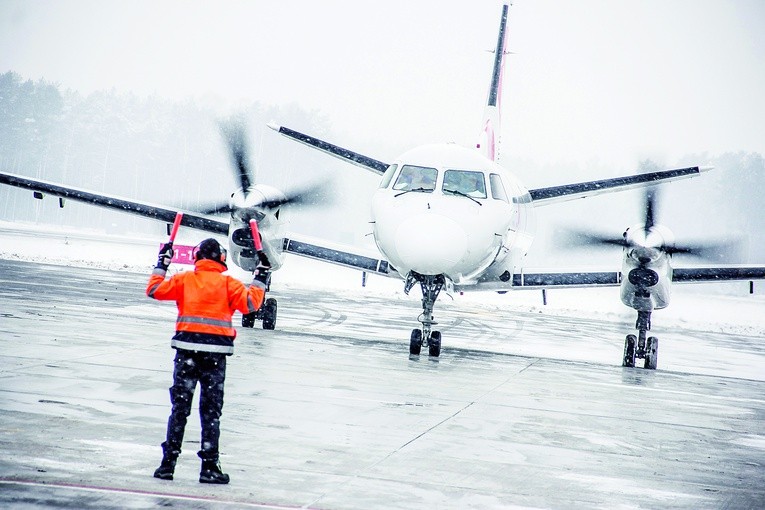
<point>726,307</point>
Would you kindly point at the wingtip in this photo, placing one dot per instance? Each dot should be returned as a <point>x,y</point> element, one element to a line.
<point>274,126</point>
<point>705,168</point>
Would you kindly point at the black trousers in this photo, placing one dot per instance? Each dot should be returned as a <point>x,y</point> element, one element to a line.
<point>209,370</point>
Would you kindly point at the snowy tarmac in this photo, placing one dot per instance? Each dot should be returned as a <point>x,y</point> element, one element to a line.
<point>329,411</point>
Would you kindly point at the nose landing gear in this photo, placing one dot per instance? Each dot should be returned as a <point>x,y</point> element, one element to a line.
<point>640,346</point>
<point>431,286</point>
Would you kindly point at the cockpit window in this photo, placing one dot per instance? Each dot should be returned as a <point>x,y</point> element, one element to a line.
<point>465,182</point>
<point>416,178</point>
<point>497,189</point>
<point>388,176</point>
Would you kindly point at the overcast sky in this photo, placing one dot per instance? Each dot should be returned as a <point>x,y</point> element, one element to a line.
<point>607,81</point>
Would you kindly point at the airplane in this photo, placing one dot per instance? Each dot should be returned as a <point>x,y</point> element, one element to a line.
<point>444,217</point>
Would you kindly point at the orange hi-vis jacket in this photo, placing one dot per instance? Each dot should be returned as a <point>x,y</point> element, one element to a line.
<point>206,300</point>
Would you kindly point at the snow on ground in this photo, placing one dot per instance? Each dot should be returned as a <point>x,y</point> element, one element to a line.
<point>726,307</point>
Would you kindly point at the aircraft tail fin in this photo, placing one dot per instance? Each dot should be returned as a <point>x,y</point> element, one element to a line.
<point>490,126</point>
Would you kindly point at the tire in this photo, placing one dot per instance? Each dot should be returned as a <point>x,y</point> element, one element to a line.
<point>248,320</point>
<point>651,353</point>
<point>629,351</point>
<point>434,344</point>
<point>415,342</point>
<point>269,314</point>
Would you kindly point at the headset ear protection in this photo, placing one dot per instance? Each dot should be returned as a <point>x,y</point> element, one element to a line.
<point>223,252</point>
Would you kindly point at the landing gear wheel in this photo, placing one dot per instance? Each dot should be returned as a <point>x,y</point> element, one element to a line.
<point>248,319</point>
<point>629,351</point>
<point>434,344</point>
<point>651,353</point>
<point>415,342</point>
<point>269,314</point>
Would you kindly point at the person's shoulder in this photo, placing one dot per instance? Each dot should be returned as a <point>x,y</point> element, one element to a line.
<point>231,280</point>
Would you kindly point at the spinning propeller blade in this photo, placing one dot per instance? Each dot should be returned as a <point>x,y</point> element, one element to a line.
<point>651,197</point>
<point>712,250</point>
<point>309,195</point>
<point>234,134</point>
<point>584,238</point>
<point>219,208</point>
<point>720,250</point>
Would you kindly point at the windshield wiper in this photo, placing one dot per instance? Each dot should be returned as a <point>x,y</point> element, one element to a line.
<point>414,189</point>
<point>456,192</point>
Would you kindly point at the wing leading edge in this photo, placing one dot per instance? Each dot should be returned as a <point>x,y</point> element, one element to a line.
<point>346,155</point>
<point>555,194</point>
<point>147,210</point>
<point>338,255</point>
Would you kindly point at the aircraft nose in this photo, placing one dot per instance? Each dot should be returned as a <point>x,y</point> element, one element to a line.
<point>431,243</point>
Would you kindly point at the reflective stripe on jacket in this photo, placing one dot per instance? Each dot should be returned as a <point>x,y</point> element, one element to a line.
<point>206,300</point>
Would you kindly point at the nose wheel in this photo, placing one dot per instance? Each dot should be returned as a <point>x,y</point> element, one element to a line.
<point>431,286</point>
<point>433,343</point>
<point>640,347</point>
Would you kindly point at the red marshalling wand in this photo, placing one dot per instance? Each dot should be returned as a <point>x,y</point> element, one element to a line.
<point>176,224</point>
<point>256,236</point>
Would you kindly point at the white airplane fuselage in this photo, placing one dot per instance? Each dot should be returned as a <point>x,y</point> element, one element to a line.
<point>434,229</point>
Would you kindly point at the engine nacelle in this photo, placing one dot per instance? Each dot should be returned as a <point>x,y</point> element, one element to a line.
<point>272,224</point>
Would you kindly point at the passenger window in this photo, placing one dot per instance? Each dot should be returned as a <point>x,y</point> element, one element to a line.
<point>464,182</point>
<point>388,176</point>
<point>416,178</point>
<point>497,189</point>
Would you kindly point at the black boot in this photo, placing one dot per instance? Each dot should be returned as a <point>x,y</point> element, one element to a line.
<point>167,467</point>
<point>211,473</point>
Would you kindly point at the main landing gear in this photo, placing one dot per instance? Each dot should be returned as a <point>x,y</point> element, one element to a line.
<point>431,286</point>
<point>640,346</point>
<point>266,313</point>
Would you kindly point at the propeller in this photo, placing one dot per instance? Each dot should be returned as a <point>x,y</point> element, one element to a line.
<point>306,196</point>
<point>652,236</point>
<point>234,134</point>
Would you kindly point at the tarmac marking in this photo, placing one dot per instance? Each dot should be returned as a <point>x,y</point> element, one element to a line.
<point>143,493</point>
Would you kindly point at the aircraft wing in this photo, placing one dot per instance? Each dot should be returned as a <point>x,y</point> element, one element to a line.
<point>161,213</point>
<point>353,258</point>
<point>549,280</point>
<point>373,165</point>
<point>555,194</point>
<point>717,274</point>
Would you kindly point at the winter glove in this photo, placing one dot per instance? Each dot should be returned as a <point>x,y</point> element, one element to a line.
<point>263,271</point>
<point>165,256</point>
<point>263,260</point>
